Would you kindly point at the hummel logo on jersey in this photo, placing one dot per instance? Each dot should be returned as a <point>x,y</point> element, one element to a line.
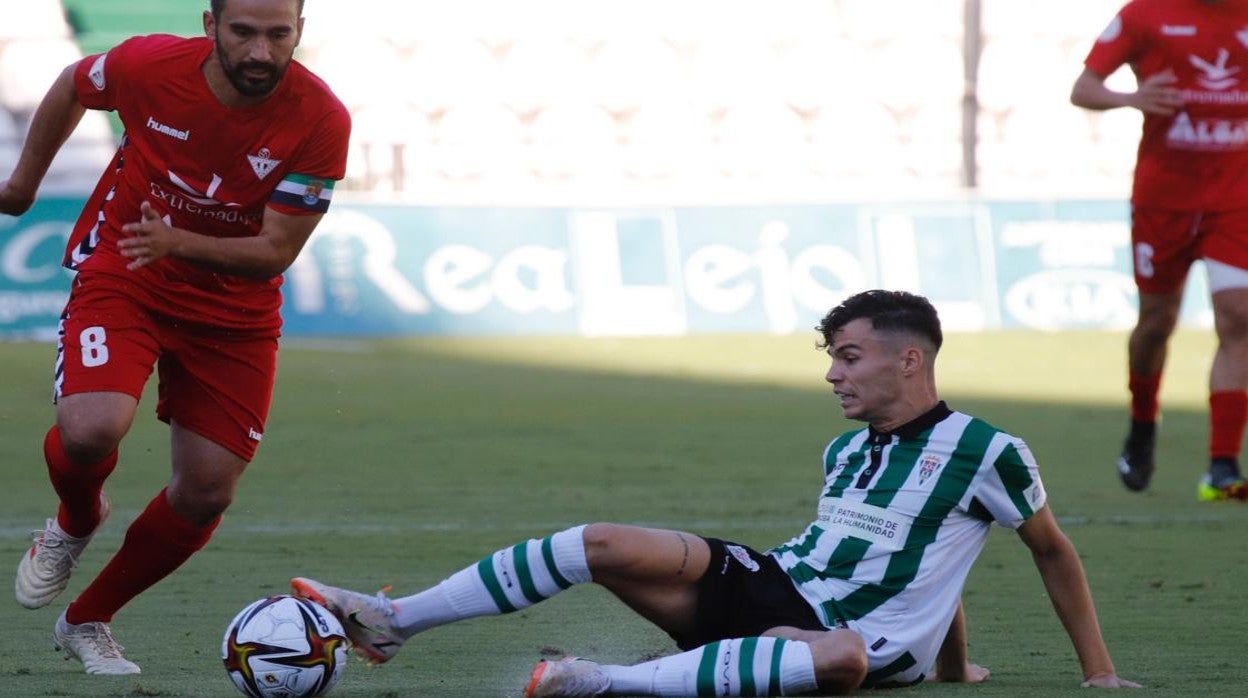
<point>1178,30</point>
<point>262,164</point>
<point>167,130</point>
<point>254,435</point>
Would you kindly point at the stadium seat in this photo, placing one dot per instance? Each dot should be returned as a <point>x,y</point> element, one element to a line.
<point>1014,20</point>
<point>664,139</point>
<point>476,140</point>
<point>1014,71</point>
<point>818,72</point>
<point>572,139</point>
<point>728,70</point>
<point>873,20</point>
<point>28,67</point>
<point>35,19</point>
<point>760,139</point>
<point>1043,146</point>
<point>910,72</point>
<point>392,139</point>
<point>358,71</point>
<point>858,139</point>
<point>539,71</point>
<point>629,70</point>
<point>448,72</point>
<point>933,140</point>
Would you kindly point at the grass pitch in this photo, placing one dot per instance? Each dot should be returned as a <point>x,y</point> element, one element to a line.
<point>400,462</point>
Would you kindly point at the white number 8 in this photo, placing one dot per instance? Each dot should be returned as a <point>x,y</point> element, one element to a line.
<point>94,353</point>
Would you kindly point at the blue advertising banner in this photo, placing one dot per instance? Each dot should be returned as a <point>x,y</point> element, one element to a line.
<point>377,270</point>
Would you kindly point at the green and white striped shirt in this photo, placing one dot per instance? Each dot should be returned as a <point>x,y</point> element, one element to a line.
<point>901,519</point>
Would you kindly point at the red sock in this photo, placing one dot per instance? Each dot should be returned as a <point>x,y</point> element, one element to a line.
<point>157,543</point>
<point>1144,389</point>
<point>1228,413</point>
<point>77,485</point>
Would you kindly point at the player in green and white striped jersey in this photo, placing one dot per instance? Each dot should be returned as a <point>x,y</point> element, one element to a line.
<point>868,595</point>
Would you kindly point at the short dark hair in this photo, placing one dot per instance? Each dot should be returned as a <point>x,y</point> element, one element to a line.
<point>888,311</point>
<point>218,5</point>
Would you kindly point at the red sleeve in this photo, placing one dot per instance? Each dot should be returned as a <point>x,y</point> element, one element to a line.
<point>322,161</point>
<point>1118,45</point>
<point>97,77</point>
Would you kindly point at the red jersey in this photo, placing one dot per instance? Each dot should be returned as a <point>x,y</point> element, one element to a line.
<point>208,168</point>
<point>1196,159</point>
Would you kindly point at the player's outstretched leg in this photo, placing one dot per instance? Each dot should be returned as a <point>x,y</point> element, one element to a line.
<point>93,644</point>
<point>368,620</point>
<point>44,570</point>
<point>570,676</point>
<point>751,666</point>
<point>507,580</point>
<point>1135,464</point>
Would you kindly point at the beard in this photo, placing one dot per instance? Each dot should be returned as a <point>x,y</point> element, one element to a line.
<point>260,84</point>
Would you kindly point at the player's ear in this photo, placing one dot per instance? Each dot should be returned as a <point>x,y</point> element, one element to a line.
<point>298,31</point>
<point>912,360</point>
<point>210,25</point>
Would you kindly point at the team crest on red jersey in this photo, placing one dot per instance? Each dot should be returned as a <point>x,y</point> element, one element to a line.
<point>262,164</point>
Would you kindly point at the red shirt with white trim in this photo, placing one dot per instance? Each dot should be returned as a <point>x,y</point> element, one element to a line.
<point>1196,159</point>
<point>208,168</point>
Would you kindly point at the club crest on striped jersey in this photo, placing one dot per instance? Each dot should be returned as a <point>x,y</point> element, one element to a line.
<point>262,163</point>
<point>928,465</point>
<point>743,557</point>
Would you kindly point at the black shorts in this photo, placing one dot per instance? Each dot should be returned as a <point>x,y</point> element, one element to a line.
<point>743,594</point>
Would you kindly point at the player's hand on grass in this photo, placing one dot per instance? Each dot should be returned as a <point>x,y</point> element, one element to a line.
<point>153,238</point>
<point>1108,681</point>
<point>14,200</point>
<point>970,673</point>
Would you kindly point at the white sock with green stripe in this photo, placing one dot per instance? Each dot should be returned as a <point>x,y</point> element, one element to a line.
<point>751,666</point>
<point>509,580</point>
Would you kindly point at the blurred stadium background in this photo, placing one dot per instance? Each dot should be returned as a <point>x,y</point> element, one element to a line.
<point>656,166</point>
<point>567,102</point>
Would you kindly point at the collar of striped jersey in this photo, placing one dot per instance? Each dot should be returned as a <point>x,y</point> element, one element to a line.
<point>914,427</point>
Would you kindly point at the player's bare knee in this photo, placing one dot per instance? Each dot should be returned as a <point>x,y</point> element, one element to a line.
<point>601,545</point>
<point>199,504</point>
<point>90,441</point>
<point>840,661</point>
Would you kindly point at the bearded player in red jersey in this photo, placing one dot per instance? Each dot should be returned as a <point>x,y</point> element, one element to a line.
<point>1189,202</point>
<point>228,162</point>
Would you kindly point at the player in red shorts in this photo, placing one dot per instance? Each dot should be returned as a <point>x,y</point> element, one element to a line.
<point>1189,202</point>
<point>228,162</point>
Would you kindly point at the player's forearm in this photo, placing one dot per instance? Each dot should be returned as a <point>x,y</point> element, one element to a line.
<point>1067,587</point>
<point>1090,92</point>
<point>55,118</point>
<point>257,257</point>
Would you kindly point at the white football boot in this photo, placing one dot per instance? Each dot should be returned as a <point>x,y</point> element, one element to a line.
<point>93,644</point>
<point>570,677</point>
<point>368,620</point>
<point>44,570</point>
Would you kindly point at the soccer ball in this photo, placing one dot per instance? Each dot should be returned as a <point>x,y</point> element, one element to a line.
<point>284,647</point>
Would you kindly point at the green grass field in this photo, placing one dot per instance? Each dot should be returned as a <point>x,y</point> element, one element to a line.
<point>400,462</point>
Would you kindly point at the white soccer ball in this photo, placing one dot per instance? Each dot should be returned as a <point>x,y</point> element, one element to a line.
<point>284,647</point>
